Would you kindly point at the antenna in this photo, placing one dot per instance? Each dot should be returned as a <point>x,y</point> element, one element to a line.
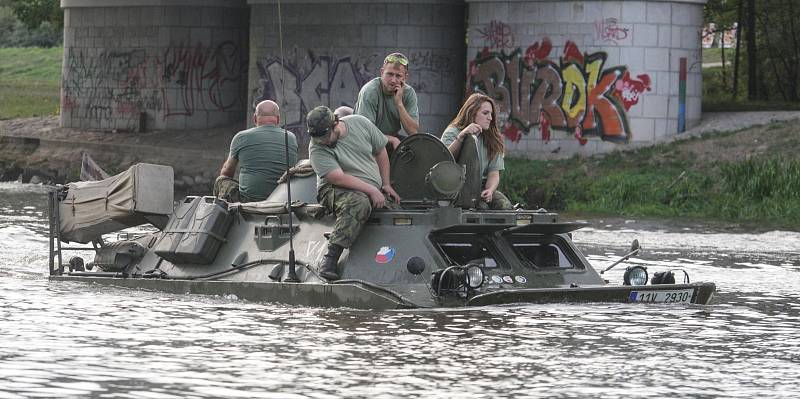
<point>291,276</point>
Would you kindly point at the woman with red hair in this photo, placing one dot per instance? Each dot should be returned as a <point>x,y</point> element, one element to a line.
<point>478,117</point>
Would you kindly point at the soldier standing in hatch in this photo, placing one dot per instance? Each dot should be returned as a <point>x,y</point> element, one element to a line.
<point>478,117</point>
<point>388,102</point>
<point>352,167</point>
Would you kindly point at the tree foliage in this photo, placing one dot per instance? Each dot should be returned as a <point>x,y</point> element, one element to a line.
<point>33,13</point>
<point>770,45</point>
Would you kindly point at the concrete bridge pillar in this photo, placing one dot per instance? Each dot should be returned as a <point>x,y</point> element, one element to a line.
<point>332,48</point>
<point>585,77</point>
<point>136,65</point>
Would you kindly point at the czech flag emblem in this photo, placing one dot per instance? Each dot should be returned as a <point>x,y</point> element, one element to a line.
<point>385,255</point>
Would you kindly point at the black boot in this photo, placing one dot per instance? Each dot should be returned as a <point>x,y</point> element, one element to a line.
<point>327,269</point>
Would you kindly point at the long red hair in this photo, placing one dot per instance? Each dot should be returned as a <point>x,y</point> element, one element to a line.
<point>466,115</point>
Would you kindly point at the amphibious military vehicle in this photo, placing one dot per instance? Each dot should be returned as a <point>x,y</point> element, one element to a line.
<point>439,250</point>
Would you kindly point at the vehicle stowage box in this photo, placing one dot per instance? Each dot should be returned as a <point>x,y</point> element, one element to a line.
<point>195,231</point>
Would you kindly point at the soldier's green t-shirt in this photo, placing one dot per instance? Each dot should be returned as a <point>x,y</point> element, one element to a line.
<point>380,109</point>
<point>354,153</point>
<point>262,159</point>
<point>449,136</point>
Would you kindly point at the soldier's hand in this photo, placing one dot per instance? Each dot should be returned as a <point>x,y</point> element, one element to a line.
<point>377,198</point>
<point>389,190</point>
<point>486,195</point>
<point>472,128</point>
<point>394,141</point>
<point>398,94</point>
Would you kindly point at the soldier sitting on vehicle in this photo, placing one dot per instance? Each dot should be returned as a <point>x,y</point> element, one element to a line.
<point>260,154</point>
<point>352,167</point>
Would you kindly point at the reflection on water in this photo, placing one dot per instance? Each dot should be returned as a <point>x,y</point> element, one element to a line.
<point>77,340</point>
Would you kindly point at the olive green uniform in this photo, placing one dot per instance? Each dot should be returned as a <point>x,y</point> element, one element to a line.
<point>380,108</point>
<point>354,154</point>
<point>261,154</point>
<point>499,200</point>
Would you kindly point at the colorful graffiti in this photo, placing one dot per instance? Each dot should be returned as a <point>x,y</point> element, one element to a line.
<point>114,87</point>
<point>575,94</point>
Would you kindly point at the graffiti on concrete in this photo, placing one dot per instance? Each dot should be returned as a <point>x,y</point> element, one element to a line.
<point>497,34</point>
<point>205,78</point>
<point>609,30</point>
<point>311,80</point>
<point>121,84</point>
<point>427,60</point>
<point>577,94</point>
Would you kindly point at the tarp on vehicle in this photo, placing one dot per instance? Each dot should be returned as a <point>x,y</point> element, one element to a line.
<point>141,194</point>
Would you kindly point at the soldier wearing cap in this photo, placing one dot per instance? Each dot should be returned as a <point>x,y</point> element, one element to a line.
<point>388,101</point>
<point>352,167</point>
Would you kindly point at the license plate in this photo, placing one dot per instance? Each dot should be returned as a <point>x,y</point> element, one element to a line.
<point>666,296</point>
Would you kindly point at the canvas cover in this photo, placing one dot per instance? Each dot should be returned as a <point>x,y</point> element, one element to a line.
<point>141,194</point>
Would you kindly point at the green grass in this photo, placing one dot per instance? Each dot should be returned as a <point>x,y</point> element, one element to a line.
<point>714,55</point>
<point>30,82</point>
<point>711,55</point>
<point>639,184</point>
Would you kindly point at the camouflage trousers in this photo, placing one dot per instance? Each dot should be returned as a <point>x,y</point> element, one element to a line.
<point>226,189</point>
<point>499,201</point>
<point>352,209</point>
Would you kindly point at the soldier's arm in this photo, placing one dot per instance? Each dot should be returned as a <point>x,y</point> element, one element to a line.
<point>410,125</point>
<point>340,179</point>
<point>382,158</point>
<point>365,107</point>
<point>492,181</point>
<point>229,167</point>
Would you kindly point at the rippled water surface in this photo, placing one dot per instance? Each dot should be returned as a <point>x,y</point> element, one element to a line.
<point>64,339</point>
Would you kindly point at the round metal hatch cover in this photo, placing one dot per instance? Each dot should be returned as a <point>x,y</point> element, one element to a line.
<point>411,162</point>
<point>445,179</point>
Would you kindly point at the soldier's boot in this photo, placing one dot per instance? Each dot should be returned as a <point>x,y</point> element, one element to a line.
<point>328,268</point>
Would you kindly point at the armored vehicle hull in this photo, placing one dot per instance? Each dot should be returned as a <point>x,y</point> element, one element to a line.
<point>438,250</point>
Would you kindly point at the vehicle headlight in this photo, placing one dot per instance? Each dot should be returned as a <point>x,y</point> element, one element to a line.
<point>635,275</point>
<point>474,276</point>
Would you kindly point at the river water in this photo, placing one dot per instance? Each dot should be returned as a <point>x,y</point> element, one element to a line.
<point>65,339</point>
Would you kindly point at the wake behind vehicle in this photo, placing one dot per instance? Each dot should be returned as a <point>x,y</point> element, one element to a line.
<point>439,250</point>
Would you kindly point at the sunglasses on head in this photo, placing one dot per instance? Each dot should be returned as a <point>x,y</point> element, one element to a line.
<point>392,58</point>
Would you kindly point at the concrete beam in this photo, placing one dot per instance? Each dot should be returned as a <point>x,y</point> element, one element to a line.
<point>293,2</point>
<point>554,1</point>
<point>151,3</point>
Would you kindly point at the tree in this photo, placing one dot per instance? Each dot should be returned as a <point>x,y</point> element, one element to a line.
<point>768,34</point>
<point>752,59</point>
<point>33,13</point>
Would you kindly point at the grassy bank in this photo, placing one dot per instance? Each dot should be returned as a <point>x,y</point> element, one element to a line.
<point>724,177</point>
<point>30,82</point>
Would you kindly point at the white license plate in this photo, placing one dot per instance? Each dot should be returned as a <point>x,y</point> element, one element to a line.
<point>672,296</point>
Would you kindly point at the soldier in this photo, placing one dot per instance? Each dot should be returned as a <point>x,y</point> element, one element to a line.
<point>260,154</point>
<point>478,117</point>
<point>352,168</point>
<point>343,111</point>
<point>388,102</point>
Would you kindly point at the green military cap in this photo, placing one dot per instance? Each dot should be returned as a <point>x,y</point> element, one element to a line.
<point>320,120</point>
